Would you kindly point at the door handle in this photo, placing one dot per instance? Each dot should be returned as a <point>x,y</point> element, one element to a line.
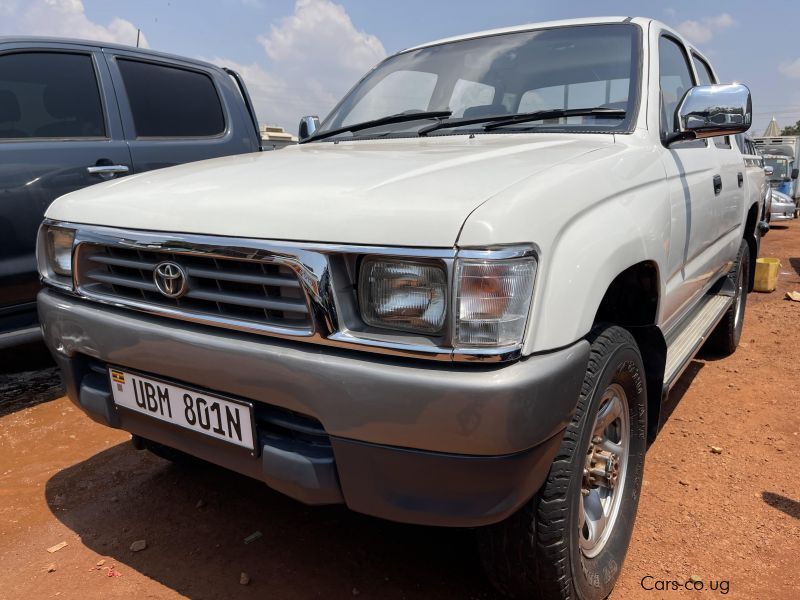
<point>107,169</point>
<point>740,179</point>
<point>717,185</point>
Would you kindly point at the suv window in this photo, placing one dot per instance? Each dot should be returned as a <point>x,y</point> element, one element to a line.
<point>171,102</point>
<point>49,95</point>
<point>675,79</point>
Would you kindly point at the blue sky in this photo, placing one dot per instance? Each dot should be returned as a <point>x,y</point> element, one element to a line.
<point>299,56</point>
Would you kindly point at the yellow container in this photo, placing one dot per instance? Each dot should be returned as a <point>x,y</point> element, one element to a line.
<point>766,274</point>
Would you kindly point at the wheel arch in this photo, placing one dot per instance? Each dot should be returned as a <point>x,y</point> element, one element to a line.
<point>631,301</point>
<point>753,241</point>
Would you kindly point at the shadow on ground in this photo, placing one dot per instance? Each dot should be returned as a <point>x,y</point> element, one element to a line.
<point>195,519</point>
<point>795,262</point>
<point>28,376</point>
<point>782,503</point>
<point>679,390</point>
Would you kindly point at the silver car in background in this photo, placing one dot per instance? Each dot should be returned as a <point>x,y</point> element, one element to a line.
<point>782,208</point>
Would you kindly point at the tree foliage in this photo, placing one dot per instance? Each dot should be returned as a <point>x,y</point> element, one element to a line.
<point>791,129</point>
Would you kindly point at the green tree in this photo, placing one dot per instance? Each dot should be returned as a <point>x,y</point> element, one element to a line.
<point>791,129</point>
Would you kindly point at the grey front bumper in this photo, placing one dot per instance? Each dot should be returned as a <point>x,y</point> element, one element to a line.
<point>410,441</point>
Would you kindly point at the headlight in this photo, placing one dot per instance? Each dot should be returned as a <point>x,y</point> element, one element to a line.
<point>404,295</point>
<point>55,254</point>
<point>492,301</point>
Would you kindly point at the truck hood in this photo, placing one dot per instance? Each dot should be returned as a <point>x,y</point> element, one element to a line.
<point>407,192</point>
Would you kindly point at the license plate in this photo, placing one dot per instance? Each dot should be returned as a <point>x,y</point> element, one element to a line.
<point>210,415</point>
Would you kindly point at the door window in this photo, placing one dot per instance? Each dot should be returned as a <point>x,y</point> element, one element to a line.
<point>703,71</point>
<point>169,102</point>
<point>49,95</point>
<point>707,78</point>
<point>675,78</point>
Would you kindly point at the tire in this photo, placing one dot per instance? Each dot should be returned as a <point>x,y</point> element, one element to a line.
<point>542,551</point>
<point>725,337</point>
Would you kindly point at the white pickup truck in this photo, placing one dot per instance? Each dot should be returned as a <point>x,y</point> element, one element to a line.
<point>460,301</point>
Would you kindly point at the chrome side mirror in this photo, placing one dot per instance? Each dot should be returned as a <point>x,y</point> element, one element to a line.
<point>308,125</point>
<point>769,170</point>
<point>712,110</point>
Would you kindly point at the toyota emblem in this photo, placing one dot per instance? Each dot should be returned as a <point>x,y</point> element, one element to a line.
<point>171,279</point>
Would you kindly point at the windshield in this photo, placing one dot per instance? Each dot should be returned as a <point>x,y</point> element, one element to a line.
<point>577,67</point>
<point>780,168</point>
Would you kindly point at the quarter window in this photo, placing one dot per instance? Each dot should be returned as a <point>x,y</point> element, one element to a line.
<point>49,95</point>
<point>171,102</point>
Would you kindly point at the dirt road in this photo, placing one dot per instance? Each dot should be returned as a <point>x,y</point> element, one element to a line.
<point>730,519</point>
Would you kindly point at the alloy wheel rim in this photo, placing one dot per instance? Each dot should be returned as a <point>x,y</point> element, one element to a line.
<point>604,471</point>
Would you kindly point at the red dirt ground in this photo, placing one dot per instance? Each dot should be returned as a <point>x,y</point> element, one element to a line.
<point>730,519</point>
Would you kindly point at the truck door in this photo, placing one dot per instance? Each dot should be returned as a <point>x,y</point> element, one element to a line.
<point>59,131</point>
<point>692,173</point>
<point>175,112</point>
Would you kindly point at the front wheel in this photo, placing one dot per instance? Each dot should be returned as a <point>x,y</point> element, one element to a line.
<point>570,540</point>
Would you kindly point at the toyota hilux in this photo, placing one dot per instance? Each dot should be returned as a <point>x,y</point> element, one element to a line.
<point>461,301</point>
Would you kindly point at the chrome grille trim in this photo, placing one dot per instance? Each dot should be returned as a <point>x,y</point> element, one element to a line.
<point>261,293</point>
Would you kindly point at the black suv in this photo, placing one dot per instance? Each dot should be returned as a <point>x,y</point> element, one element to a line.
<point>74,113</point>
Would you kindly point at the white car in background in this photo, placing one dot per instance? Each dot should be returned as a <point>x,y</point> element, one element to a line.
<point>783,207</point>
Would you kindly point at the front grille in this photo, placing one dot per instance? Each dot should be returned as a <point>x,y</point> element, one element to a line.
<point>256,294</point>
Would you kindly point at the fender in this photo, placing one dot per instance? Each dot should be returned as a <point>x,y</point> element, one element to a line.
<point>606,212</point>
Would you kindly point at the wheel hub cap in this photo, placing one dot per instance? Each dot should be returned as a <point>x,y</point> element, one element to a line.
<point>602,467</point>
<point>604,471</point>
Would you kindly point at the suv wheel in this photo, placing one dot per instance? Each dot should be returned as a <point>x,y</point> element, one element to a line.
<point>724,339</point>
<point>570,540</point>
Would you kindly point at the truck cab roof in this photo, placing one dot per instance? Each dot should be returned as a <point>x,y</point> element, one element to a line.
<point>35,40</point>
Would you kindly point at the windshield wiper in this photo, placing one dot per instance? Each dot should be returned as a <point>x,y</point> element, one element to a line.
<point>613,113</point>
<point>495,121</point>
<point>388,120</point>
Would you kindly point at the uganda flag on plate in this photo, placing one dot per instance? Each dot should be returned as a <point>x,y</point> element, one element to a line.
<point>119,378</point>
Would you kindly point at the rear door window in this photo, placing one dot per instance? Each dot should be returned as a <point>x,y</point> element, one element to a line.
<point>49,95</point>
<point>170,102</point>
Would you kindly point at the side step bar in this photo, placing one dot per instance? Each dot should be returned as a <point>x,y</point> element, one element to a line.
<point>682,347</point>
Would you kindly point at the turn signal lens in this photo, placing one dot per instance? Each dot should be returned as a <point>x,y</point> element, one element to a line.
<point>492,301</point>
<point>59,250</point>
<point>403,295</point>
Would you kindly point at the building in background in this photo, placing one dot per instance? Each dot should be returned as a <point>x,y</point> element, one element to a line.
<point>275,138</point>
<point>772,129</point>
